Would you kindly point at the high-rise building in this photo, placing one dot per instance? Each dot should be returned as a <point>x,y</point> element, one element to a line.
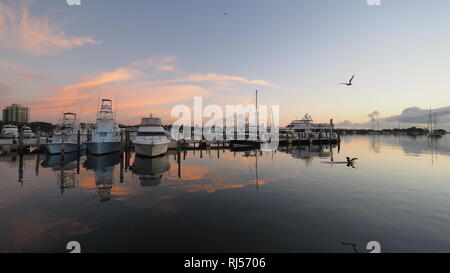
<point>16,113</point>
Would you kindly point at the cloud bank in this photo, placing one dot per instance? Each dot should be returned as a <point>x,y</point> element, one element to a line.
<point>411,116</point>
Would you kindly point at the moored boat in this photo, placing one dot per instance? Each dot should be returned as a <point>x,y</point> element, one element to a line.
<point>65,137</point>
<point>106,137</point>
<point>151,139</point>
<point>9,131</point>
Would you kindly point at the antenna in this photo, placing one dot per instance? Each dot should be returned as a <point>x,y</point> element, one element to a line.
<point>81,112</point>
<point>115,108</point>
<point>98,100</point>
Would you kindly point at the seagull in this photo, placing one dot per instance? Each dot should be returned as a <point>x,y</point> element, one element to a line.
<point>349,83</point>
<point>351,162</point>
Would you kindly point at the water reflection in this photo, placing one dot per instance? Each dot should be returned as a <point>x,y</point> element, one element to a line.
<point>309,152</point>
<point>150,170</point>
<point>66,167</point>
<point>103,167</point>
<point>391,196</point>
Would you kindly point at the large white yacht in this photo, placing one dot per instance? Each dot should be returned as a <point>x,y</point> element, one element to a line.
<point>27,132</point>
<point>151,139</point>
<point>69,130</point>
<point>106,138</point>
<point>9,131</point>
<point>306,128</point>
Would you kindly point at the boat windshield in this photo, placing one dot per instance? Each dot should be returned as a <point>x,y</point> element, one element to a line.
<point>151,134</point>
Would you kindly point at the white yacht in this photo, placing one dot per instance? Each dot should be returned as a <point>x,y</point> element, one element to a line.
<point>9,131</point>
<point>306,128</point>
<point>151,139</point>
<point>27,132</point>
<point>67,131</point>
<point>106,138</point>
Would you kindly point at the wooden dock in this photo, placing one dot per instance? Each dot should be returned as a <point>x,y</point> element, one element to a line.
<point>24,145</point>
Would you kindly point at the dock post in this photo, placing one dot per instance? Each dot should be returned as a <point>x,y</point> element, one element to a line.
<point>38,162</point>
<point>21,169</point>
<point>21,141</point>
<point>127,161</point>
<point>179,158</point>
<point>121,143</point>
<point>62,148</point>
<point>78,141</point>
<point>121,167</point>
<point>38,140</point>
<point>127,141</point>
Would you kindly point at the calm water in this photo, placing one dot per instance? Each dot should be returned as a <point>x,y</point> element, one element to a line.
<point>291,200</point>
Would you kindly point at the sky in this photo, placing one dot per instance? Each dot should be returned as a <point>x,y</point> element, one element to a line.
<point>149,56</point>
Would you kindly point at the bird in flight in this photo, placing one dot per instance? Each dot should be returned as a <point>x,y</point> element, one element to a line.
<point>349,83</point>
<point>351,162</point>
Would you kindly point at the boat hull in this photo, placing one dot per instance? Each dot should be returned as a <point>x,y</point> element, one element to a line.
<point>55,148</point>
<point>101,148</point>
<point>151,150</point>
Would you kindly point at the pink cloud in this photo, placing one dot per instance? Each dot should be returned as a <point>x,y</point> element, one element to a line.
<point>20,71</point>
<point>119,75</point>
<point>37,35</point>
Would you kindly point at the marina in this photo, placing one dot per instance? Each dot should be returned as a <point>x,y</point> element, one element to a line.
<point>298,197</point>
<point>231,135</point>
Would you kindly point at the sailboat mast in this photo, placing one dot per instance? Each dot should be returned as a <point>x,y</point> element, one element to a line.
<point>435,121</point>
<point>431,122</point>
<point>257,117</point>
<point>256,168</point>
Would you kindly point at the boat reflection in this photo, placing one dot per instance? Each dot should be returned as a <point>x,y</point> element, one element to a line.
<point>103,166</point>
<point>309,152</point>
<point>66,166</point>
<point>150,170</point>
<point>69,161</point>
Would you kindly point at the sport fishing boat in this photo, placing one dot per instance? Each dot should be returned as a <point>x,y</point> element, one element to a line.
<point>106,138</point>
<point>151,139</point>
<point>9,131</point>
<point>67,133</point>
<point>27,132</point>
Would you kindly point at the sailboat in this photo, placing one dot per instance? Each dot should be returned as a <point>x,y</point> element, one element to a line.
<point>106,138</point>
<point>248,142</point>
<point>434,132</point>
